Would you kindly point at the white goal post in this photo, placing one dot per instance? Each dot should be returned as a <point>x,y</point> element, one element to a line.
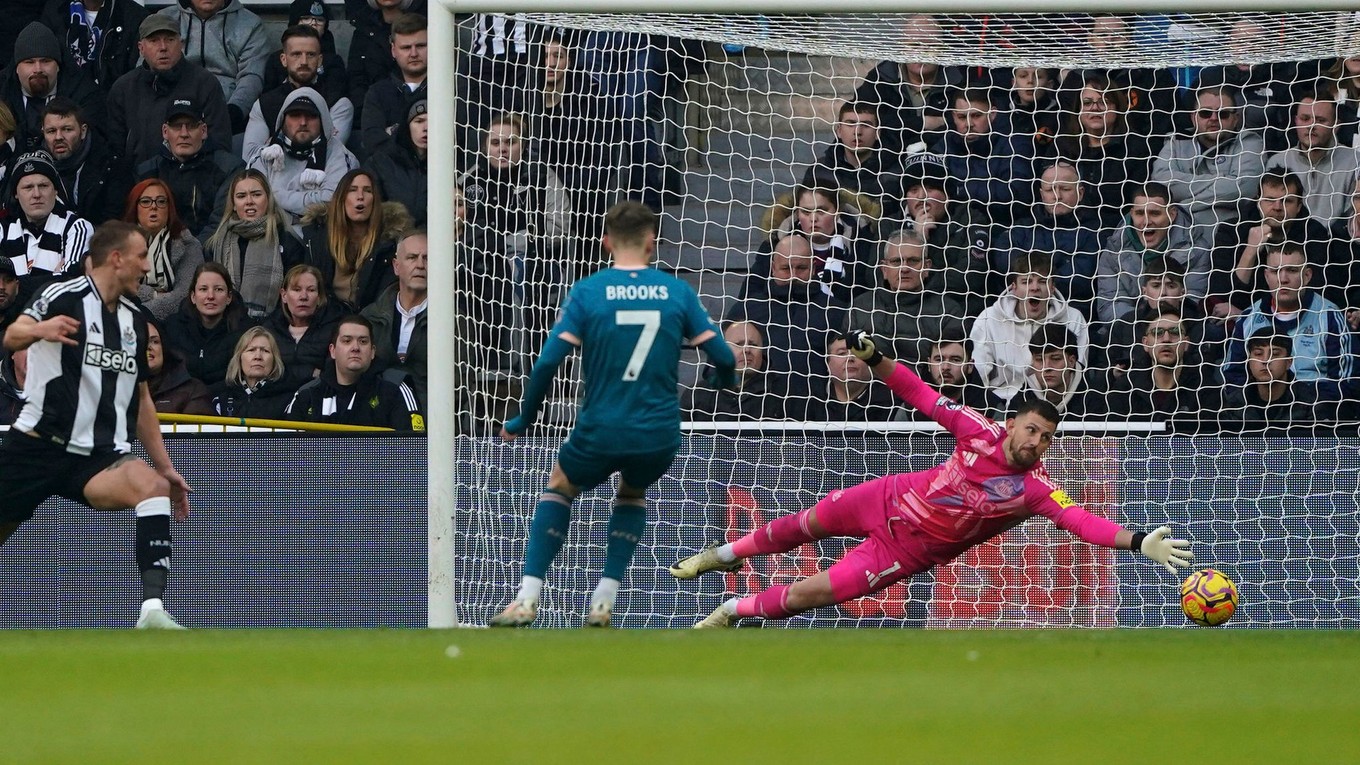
<point>799,34</point>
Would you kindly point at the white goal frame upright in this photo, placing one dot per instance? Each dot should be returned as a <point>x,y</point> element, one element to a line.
<point>442,609</point>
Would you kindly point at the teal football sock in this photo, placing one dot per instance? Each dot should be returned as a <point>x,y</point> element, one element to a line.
<point>547,533</point>
<point>626,524</point>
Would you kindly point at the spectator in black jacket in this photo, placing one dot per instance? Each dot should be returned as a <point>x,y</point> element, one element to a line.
<point>254,242</point>
<point>910,96</point>
<point>196,171</point>
<point>857,162</point>
<point>402,165</point>
<point>139,100</point>
<point>100,35</point>
<point>370,49</point>
<point>852,394</point>
<point>949,369</point>
<point>256,385</point>
<point>96,180</point>
<point>173,389</point>
<point>1268,396</point>
<point>1169,379</point>
<point>39,74</point>
<point>388,100</point>
<point>352,391</point>
<point>753,398</point>
<point>302,323</point>
<point>574,129</point>
<point>330,67</point>
<point>208,324</point>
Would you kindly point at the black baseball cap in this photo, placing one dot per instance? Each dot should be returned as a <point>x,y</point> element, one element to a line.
<point>302,104</point>
<point>184,107</point>
<point>7,268</point>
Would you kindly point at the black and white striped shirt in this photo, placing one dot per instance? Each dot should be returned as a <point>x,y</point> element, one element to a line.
<point>55,248</point>
<point>501,36</point>
<point>85,396</point>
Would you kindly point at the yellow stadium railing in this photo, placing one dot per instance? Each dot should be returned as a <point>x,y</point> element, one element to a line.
<point>199,423</point>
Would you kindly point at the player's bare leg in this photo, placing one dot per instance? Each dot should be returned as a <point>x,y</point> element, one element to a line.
<point>547,533</point>
<point>133,483</point>
<point>627,521</point>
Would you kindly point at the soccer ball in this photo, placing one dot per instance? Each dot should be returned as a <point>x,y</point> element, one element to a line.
<point>1208,598</point>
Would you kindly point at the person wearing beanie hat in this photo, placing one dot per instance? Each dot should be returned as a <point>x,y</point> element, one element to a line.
<point>17,15</point>
<point>43,239</point>
<point>39,74</point>
<point>402,165</point>
<point>100,37</point>
<point>303,62</point>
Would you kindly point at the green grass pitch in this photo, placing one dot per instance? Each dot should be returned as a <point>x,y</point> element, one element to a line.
<point>777,696</point>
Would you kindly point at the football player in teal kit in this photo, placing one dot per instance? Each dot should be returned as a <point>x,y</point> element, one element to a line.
<point>630,322</point>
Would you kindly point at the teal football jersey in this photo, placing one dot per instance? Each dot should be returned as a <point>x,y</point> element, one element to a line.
<point>632,324</point>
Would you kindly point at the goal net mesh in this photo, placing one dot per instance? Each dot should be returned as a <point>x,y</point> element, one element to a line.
<point>1150,220</point>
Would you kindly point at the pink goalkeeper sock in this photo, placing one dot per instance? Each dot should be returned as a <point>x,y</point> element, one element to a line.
<point>779,535</point>
<point>770,604</point>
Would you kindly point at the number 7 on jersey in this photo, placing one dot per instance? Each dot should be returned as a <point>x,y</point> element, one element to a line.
<point>650,321</point>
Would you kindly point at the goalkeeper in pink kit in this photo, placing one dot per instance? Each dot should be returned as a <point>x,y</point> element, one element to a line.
<point>912,522</point>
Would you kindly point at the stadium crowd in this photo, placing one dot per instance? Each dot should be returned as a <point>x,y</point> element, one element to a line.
<point>1127,243</point>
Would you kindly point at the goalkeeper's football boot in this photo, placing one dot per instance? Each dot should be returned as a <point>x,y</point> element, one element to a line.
<point>600,615</point>
<point>721,618</point>
<point>158,619</point>
<point>519,613</point>
<point>703,562</point>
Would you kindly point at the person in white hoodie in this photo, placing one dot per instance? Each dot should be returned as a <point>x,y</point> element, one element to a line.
<point>303,164</point>
<point>1001,333</point>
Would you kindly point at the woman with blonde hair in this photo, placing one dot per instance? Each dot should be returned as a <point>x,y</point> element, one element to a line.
<point>303,321</point>
<point>257,383</point>
<point>352,239</point>
<point>173,251</point>
<point>254,242</point>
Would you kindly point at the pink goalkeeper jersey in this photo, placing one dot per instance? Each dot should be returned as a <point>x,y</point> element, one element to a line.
<point>976,494</point>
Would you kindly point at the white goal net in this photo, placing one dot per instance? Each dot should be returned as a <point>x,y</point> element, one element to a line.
<point>1151,220</point>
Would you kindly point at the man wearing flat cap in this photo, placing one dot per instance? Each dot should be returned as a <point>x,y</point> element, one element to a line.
<point>138,100</point>
<point>39,75</point>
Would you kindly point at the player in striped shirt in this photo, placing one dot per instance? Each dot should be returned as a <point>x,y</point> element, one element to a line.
<point>87,397</point>
<point>912,522</point>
